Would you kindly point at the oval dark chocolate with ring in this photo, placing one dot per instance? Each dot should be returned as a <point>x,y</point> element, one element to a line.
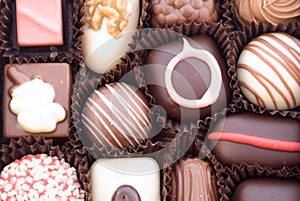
<point>126,193</point>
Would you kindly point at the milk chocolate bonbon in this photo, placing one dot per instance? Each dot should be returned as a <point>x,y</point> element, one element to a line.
<point>49,92</point>
<point>273,12</point>
<point>116,116</point>
<point>164,12</point>
<point>193,179</point>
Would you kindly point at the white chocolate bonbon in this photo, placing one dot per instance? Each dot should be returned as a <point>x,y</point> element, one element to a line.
<point>268,71</point>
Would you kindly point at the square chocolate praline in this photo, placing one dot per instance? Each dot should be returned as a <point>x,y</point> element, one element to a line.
<point>62,45</point>
<point>56,74</point>
<point>39,23</point>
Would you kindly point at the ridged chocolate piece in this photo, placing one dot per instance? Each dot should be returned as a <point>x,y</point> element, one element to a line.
<point>256,138</point>
<point>262,189</point>
<point>193,180</point>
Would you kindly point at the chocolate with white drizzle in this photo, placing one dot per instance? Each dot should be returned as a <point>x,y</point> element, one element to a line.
<point>116,116</point>
<point>188,78</point>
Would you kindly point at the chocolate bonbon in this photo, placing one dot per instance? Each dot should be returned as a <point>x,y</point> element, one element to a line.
<point>117,116</point>
<point>268,71</point>
<point>256,138</point>
<point>39,23</point>
<point>267,188</point>
<point>188,78</point>
<point>36,99</point>
<point>109,28</point>
<point>40,177</point>
<point>131,179</point>
<point>164,12</point>
<point>193,179</point>
<point>32,102</point>
<point>273,12</point>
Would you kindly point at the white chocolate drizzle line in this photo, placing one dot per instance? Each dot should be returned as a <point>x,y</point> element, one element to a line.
<point>286,58</point>
<point>127,127</point>
<point>213,91</point>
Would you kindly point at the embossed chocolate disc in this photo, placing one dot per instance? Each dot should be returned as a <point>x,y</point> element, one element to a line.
<point>126,193</point>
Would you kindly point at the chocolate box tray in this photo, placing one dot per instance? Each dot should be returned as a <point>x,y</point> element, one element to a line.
<point>187,127</point>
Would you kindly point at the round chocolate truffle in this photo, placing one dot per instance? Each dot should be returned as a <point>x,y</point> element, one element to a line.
<point>266,11</point>
<point>268,71</point>
<point>116,115</point>
<point>40,177</point>
<point>166,12</point>
<point>188,78</point>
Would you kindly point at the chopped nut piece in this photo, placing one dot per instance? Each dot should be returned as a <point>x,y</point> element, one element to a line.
<point>117,12</point>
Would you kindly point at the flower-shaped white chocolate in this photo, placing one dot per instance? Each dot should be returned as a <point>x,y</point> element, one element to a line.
<point>32,102</point>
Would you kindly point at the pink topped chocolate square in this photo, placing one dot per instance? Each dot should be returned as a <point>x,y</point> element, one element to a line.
<point>39,23</point>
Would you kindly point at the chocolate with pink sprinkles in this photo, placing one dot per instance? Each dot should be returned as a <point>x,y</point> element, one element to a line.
<point>41,178</point>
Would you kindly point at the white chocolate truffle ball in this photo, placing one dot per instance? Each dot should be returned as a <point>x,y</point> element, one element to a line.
<point>268,71</point>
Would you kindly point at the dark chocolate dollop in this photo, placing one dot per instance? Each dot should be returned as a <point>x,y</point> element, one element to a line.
<point>126,193</point>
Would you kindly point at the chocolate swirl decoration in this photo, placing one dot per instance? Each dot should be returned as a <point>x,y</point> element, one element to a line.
<point>192,179</point>
<point>267,11</point>
<point>126,193</point>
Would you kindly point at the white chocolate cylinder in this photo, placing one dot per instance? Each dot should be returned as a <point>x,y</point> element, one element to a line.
<point>142,174</point>
<point>101,50</point>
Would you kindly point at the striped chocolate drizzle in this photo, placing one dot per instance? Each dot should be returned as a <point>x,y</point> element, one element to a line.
<point>290,64</point>
<point>131,127</point>
<point>192,180</point>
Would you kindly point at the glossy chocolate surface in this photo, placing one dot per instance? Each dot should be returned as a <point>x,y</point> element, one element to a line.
<point>193,179</point>
<point>272,12</point>
<point>262,189</point>
<point>126,193</point>
<point>191,78</point>
<point>268,71</point>
<point>44,17</point>
<point>61,82</point>
<point>42,50</point>
<point>164,12</point>
<point>267,140</point>
<point>116,116</point>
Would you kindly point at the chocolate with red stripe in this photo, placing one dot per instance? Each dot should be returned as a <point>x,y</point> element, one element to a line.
<point>256,138</point>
